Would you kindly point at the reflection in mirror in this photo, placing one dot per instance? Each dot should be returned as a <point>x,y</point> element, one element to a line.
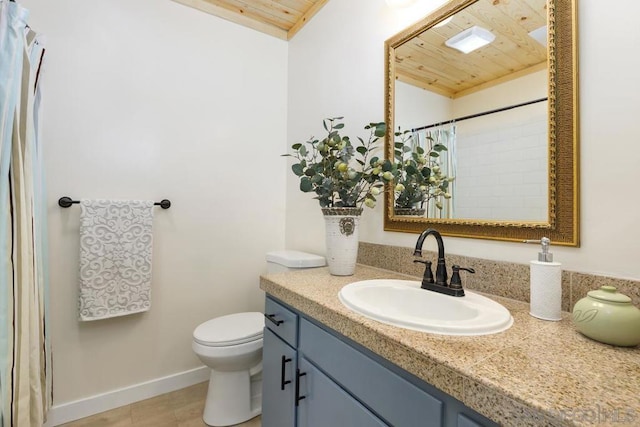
<point>493,108</point>
<point>493,118</point>
<point>498,156</point>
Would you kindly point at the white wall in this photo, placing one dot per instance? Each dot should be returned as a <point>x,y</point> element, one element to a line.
<point>416,107</point>
<point>150,99</point>
<point>336,67</point>
<point>523,89</point>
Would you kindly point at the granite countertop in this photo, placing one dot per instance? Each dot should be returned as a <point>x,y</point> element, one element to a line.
<point>537,373</point>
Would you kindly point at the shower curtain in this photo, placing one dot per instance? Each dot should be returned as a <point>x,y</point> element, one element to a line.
<point>25,349</point>
<point>444,134</point>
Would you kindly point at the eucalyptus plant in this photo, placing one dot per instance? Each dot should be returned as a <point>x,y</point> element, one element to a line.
<point>418,177</point>
<point>339,172</point>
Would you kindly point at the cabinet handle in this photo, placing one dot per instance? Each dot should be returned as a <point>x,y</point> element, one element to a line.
<point>283,361</point>
<point>272,318</point>
<point>298,375</point>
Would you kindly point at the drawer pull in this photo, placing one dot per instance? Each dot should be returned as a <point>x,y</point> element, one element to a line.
<point>298,375</point>
<point>272,318</point>
<point>283,362</point>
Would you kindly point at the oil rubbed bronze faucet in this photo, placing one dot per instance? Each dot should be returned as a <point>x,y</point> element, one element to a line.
<point>440,284</point>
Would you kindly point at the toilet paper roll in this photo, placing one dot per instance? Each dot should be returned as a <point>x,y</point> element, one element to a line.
<point>546,290</point>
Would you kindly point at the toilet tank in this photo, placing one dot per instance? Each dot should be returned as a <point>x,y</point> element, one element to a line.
<point>280,261</point>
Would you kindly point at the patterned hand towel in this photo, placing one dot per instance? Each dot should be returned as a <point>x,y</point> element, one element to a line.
<point>115,258</point>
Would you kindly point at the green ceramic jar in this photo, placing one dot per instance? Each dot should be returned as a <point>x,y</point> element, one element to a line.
<point>608,316</point>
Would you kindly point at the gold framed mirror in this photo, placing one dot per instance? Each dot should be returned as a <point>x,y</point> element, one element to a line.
<point>407,56</point>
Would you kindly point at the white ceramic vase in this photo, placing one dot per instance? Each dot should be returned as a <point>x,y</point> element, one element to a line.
<point>341,229</point>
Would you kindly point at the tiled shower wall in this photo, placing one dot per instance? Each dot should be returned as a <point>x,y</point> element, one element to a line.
<point>505,279</point>
<point>502,170</point>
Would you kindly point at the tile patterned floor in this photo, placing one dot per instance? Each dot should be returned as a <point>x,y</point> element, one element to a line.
<point>180,408</point>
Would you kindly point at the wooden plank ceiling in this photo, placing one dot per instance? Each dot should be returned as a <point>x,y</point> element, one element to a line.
<point>279,18</point>
<point>425,61</point>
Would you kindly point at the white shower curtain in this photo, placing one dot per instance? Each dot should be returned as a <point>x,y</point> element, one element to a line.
<point>25,351</point>
<point>444,134</point>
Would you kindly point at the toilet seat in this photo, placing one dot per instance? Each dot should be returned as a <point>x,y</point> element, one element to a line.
<point>230,330</point>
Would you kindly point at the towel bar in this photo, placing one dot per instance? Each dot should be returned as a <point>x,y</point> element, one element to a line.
<point>65,202</point>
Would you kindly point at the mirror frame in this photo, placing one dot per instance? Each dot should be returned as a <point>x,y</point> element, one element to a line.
<point>562,226</point>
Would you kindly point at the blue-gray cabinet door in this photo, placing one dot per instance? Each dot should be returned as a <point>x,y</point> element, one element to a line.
<point>322,403</point>
<point>279,367</point>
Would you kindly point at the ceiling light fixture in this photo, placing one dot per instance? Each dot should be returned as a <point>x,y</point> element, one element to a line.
<point>540,35</point>
<point>443,22</point>
<point>471,39</point>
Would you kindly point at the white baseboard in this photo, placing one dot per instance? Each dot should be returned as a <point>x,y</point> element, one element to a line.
<point>60,414</point>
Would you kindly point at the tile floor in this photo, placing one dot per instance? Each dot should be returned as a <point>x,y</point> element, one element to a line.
<point>180,408</point>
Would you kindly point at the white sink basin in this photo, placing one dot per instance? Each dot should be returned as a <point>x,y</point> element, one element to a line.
<point>404,304</point>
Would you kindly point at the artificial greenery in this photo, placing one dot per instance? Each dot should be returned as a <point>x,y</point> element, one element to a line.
<point>418,177</point>
<point>340,173</point>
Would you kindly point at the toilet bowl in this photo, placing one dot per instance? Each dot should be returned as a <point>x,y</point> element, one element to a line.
<point>231,346</point>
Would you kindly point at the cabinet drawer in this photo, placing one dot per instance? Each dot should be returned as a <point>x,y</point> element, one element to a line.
<point>398,402</point>
<point>282,321</point>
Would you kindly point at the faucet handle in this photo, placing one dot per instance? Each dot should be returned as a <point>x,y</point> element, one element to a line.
<point>456,282</point>
<point>428,275</point>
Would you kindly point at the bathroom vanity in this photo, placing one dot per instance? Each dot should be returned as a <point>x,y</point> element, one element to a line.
<point>325,365</point>
<point>314,377</point>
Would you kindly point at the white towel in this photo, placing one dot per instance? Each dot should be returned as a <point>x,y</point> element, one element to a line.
<point>115,258</point>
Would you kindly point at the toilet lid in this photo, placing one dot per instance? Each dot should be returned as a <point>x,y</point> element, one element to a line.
<point>232,329</point>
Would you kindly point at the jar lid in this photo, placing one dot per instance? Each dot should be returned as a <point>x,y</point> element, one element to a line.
<point>609,294</point>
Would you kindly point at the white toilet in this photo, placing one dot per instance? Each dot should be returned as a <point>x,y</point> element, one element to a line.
<point>232,347</point>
